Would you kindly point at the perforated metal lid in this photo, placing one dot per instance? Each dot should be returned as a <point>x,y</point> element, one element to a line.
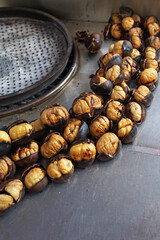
<point>34,51</point>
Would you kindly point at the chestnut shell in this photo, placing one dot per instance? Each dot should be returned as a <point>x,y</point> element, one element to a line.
<point>11,168</point>
<point>106,105</point>
<point>104,89</point>
<point>143,114</point>
<point>147,101</point>
<point>93,42</point>
<point>152,85</point>
<point>5,148</point>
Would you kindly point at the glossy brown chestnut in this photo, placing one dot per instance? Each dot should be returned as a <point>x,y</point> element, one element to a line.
<point>99,126</point>
<point>143,95</point>
<point>114,74</point>
<point>81,35</point>
<point>5,143</point>
<point>60,168</point>
<point>123,48</point>
<point>55,116</point>
<point>148,78</point>
<point>53,144</point>
<point>114,110</point>
<point>93,42</point>
<point>136,112</point>
<point>25,155</point>
<point>101,85</point>
<point>149,63</point>
<point>87,106</point>
<point>127,23</point>
<point>83,153</point>
<point>34,178</point>
<point>125,12</point>
<point>20,132</point>
<point>76,129</point>
<point>7,168</point>
<point>153,41</point>
<point>39,130</point>
<point>126,130</point>
<point>107,146</point>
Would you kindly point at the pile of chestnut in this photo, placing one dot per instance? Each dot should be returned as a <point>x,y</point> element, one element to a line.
<point>95,126</point>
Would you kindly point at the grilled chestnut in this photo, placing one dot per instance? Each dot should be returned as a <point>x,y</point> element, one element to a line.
<point>143,95</point>
<point>93,42</point>
<point>76,129</point>
<point>135,55</point>
<point>83,153</point>
<point>107,146</point>
<point>34,178</point>
<point>148,78</point>
<point>153,41</point>
<point>150,53</point>
<point>125,12</point>
<point>153,29</point>
<point>60,168</point>
<point>25,155</point>
<point>127,23</point>
<point>136,112</point>
<point>129,65</point>
<point>149,20</point>
<point>149,63</point>
<point>101,85</point>
<point>7,168</point>
<point>11,192</point>
<point>56,116</point>
<point>137,20</point>
<point>137,42</point>
<point>136,31</point>
<point>114,110</point>
<point>39,130</point>
<point>81,35</point>
<point>116,31</point>
<point>53,144</point>
<point>20,132</point>
<point>121,94</point>
<point>87,106</point>
<point>115,74</point>
<point>126,130</point>
<point>127,75</point>
<point>123,48</point>
<point>99,126</point>
<point>115,18</point>
<point>110,59</point>
<point>5,143</point>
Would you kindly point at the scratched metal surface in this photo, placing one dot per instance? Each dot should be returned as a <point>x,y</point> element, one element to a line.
<point>115,200</point>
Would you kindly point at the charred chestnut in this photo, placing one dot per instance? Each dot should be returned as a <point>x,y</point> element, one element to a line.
<point>114,110</point>
<point>39,130</point>
<point>20,132</point>
<point>153,41</point>
<point>99,126</point>
<point>116,31</point>
<point>127,75</point>
<point>137,20</point>
<point>93,42</point>
<point>148,78</point>
<point>5,143</point>
<point>25,155</point>
<point>127,23</point>
<point>110,59</point>
<point>81,35</point>
<point>135,55</point>
<point>107,146</point>
<point>125,12</point>
<point>7,168</point>
<point>129,65</point>
<point>60,168</point>
<point>149,63</point>
<point>56,116</point>
<point>123,48</point>
<point>34,178</point>
<point>76,129</point>
<point>153,29</point>
<point>87,106</point>
<point>53,144</point>
<point>114,74</point>
<point>83,153</point>
<point>143,95</point>
<point>101,85</point>
<point>136,112</point>
<point>127,130</point>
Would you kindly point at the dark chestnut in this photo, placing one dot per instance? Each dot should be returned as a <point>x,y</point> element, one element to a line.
<point>137,20</point>
<point>115,18</point>
<point>5,143</point>
<point>123,48</point>
<point>55,116</point>
<point>34,178</point>
<point>39,130</point>
<point>148,78</point>
<point>110,59</point>
<point>25,155</point>
<point>125,12</point>
<point>143,95</point>
<point>107,146</point>
<point>101,85</point>
<point>83,153</point>
<point>81,35</point>
<point>136,112</point>
<point>60,168</point>
<point>7,168</point>
<point>114,110</point>
<point>93,42</point>
<point>115,74</point>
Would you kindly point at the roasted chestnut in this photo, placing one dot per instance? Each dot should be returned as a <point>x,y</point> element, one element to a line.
<point>111,47</point>
<point>116,31</point>
<point>76,129</point>
<point>150,53</point>
<point>143,95</point>
<point>93,42</point>
<point>5,143</point>
<point>100,72</point>
<point>53,144</point>
<point>39,130</point>
<point>123,48</point>
<point>11,192</point>
<point>153,29</point>
<point>127,75</point>
<point>110,59</point>
<point>87,106</point>
<point>60,168</point>
<point>25,155</point>
<point>125,12</point>
<point>81,35</point>
<point>20,132</point>
<point>137,20</point>
<point>127,23</point>
<point>149,63</point>
<point>136,112</point>
<point>101,85</point>
<point>153,41</point>
<point>137,42</point>
<point>107,146</point>
<point>129,65</point>
<point>126,130</point>
<point>115,74</point>
<point>115,18</point>
<point>114,110</point>
<point>56,116</point>
<point>99,126</point>
<point>149,20</point>
<point>83,153</point>
<point>121,94</point>
<point>136,31</point>
<point>34,178</point>
<point>135,55</point>
<point>148,78</point>
<point>7,168</point>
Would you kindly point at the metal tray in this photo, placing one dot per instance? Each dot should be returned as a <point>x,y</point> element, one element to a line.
<point>34,50</point>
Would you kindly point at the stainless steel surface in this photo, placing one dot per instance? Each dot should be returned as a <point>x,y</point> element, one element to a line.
<point>107,201</point>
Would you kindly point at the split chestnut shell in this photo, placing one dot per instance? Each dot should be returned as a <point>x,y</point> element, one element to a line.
<point>101,85</point>
<point>143,95</point>
<point>126,130</point>
<point>7,168</point>
<point>5,143</point>
<point>136,112</point>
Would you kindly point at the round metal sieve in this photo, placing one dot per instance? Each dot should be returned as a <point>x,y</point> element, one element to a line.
<point>34,50</point>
